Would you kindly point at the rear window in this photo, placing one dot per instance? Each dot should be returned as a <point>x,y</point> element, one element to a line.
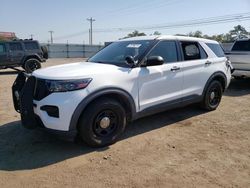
<point>241,46</point>
<point>192,51</point>
<point>31,45</point>
<point>217,49</point>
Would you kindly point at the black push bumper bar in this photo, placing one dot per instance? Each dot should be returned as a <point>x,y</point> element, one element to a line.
<point>22,93</point>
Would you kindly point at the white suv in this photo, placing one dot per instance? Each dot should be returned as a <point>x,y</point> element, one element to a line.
<point>126,80</point>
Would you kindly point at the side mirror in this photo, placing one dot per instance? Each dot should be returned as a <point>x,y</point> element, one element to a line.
<point>130,61</point>
<point>154,61</point>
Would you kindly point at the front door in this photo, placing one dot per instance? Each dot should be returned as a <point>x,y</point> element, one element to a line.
<point>162,83</point>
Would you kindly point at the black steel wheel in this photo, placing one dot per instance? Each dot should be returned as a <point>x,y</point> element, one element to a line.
<point>102,122</point>
<point>213,95</point>
<point>32,64</point>
<point>105,123</point>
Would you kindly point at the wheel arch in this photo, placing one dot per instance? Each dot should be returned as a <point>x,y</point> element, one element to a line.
<point>25,58</point>
<point>120,95</point>
<point>219,76</point>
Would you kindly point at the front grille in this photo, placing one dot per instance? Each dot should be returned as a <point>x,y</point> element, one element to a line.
<point>41,89</point>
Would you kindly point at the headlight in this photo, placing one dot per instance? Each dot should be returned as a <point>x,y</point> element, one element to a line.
<point>67,85</point>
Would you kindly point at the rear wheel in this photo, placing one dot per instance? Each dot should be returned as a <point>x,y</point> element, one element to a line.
<point>31,64</point>
<point>212,96</point>
<point>102,122</point>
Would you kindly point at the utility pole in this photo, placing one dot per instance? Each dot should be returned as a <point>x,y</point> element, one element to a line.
<point>51,36</point>
<point>91,20</point>
<point>89,37</point>
<point>31,36</point>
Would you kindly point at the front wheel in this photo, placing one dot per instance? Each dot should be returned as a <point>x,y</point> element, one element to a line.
<point>32,64</point>
<point>213,95</point>
<point>102,122</point>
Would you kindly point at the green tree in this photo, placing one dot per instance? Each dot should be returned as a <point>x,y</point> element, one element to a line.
<point>197,34</point>
<point>218,38</point>
<point>228,38</point>
<point>238,32</point>
<point>156,33</point>
<point>135,34</point>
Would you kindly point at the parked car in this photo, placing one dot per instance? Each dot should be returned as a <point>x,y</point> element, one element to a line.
<point>239,55</point>
<point>126,80</point>
<point>27,54</point>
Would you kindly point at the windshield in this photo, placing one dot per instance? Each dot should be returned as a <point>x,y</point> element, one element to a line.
<point>116,52</point>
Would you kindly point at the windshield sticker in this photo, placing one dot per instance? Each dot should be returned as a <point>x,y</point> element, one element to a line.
<point>133,46</point>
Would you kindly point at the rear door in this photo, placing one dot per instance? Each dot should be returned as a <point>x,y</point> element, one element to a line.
<point>16,52</point>
<point>197,68</point>
<point>162,83</point>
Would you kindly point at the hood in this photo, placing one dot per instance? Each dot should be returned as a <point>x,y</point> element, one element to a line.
<point>75,71</point>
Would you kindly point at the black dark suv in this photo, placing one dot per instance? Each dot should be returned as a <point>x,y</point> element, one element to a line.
<point>27,54</point>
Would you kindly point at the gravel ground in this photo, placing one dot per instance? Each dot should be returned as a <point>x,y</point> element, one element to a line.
<point>185,147</point>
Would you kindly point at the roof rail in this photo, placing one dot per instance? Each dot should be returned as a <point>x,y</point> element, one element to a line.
<point>21,39</point>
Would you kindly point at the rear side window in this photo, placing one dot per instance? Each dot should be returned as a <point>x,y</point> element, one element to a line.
<point>193,51</point>
<point>241,46</point>
<point>216,48</point>
<point>2,48</point>
<point>31,45</point>
<point>15,46</point>
<point>167,50</point>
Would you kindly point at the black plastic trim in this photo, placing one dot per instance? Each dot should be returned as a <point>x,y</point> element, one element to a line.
<point>83,104</point>
<point>241,70</point>
<point>169,105</point>
<point>52,111</point>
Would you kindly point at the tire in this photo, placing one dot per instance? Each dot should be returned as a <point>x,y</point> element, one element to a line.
<point>31,64</point>
<point>212,96</point>
<point>45,52</point>
<point>102,123</point>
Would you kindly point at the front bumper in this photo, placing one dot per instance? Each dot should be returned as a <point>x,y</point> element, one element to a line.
<point>32,115</point>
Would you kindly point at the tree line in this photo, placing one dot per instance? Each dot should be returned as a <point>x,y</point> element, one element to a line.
<point>238,32</point>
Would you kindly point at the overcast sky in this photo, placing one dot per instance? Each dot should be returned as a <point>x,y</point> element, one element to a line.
<point>67,18</point>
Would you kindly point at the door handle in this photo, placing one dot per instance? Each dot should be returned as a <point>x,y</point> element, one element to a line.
<point>175,68</point>
<point>208,63</point>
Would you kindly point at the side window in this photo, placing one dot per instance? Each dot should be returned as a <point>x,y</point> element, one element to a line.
<point>193,51</point>
<point>241,46</point>
<point>217,49</point>
<point>15,46</point>
<point>31,45</point>
<point>2,48</point>
<point>167,50</point>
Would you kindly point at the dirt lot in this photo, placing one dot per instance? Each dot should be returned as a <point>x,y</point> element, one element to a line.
<point>181,148</point>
